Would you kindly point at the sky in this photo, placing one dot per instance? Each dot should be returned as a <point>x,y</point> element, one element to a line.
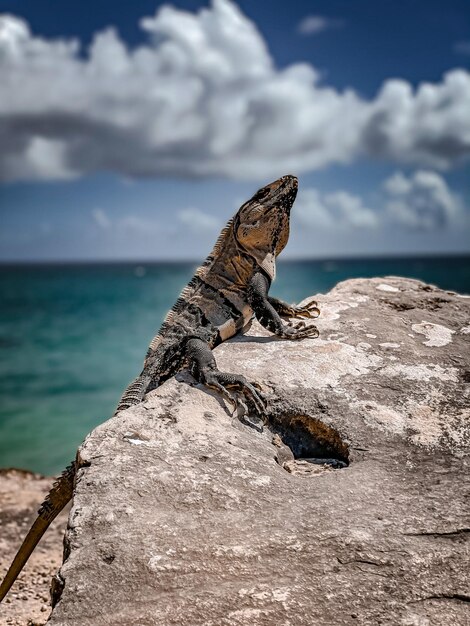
<point>133,131</point>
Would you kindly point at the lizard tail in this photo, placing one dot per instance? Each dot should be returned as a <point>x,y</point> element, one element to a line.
<point>59,495</point>
<point>135,392</point>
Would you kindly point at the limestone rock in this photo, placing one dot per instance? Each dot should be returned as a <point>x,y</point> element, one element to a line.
<point>183,515</point>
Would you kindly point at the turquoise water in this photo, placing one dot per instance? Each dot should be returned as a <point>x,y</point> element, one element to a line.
<point>73,336</point>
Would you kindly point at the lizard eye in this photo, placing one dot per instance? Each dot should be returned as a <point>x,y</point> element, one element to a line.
<point>262,193</point>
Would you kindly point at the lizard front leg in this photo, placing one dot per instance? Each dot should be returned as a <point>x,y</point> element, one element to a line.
<point>267,315</point>
<point>203,367</point>
<point>309,311</point>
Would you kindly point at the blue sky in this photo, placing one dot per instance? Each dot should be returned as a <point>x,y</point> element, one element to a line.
<point>140,141</point>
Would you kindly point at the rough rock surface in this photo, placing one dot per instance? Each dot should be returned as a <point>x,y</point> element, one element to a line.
<point>21,493</point>
<point>184,517</point>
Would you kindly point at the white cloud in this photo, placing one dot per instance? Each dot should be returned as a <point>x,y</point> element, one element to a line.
<point>139,225</point>
<point>314,24</point>
<point>422,201</point>
<point>203,98</point>
<point>198,221</point>
<point>40,158</point>
<point>351,209</point>
<point>462,47</point>
<point>101,218</point>
<point>398,184</point>
<point>430,127</point>
<point>127,223</point>
<point>340,209</point>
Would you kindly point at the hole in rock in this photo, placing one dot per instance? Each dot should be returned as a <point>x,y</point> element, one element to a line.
<point>305,441</point>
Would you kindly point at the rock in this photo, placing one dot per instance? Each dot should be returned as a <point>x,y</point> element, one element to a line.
<point>183,516</point>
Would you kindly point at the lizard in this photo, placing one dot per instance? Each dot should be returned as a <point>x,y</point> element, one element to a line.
<point>227,290</point>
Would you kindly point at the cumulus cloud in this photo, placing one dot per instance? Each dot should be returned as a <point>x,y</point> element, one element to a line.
<point>421,201</point>
<point>203,98</point>
<point>430,126</point>
<point>314,24</point>
<point>332,210</point>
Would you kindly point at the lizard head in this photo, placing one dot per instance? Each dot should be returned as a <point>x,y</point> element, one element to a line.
<point>262,224</point>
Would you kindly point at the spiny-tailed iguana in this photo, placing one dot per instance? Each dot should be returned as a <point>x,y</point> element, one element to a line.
<point>227,289</point>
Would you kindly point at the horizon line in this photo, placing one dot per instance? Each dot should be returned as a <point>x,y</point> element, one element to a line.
<point>300,259</point>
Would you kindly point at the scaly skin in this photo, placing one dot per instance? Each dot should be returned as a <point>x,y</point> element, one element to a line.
<point>228,288</point>
<point>59,495</point>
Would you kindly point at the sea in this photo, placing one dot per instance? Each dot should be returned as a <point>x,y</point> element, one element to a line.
<point>73,336</point>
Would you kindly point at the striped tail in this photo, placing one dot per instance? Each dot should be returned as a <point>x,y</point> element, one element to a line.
<point>135,392</point>
<point>59,495</point>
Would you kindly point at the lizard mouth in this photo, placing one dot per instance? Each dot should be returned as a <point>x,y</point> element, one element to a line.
<point>290,188</point>
<point>290,178</point>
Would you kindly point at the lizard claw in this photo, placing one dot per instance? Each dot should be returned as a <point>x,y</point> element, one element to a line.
<point>231,386</point>
<point>229,397</point>
<point>253,394</point>
<point>247,417</point>
<point>299,331</point>
<point>241,408</point>
<point>309,311</point>
<point>297,326</point>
